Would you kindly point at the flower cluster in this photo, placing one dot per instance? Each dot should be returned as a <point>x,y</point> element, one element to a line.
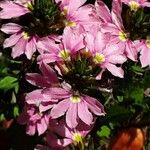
<point>75,44</point>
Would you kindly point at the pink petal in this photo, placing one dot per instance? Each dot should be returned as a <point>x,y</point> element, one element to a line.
<point>117,59</point>
<point>131,51</point>
<point>145,57</point>
<point>56,143</point>
<point>116,13</point>
<point>12,40</point>
<point>95,106</point>
<point>19,48</point>
<point>10,28</point>
<point>49,73</point>
<point>89,39</point>
<point>12,10</point>
<point>31,129</point>
<point>56,93</point>
<point>59,109</point>
<point>100,41</point>
<point>71,116</point>
<point>103,11</point>
<point>42,126</point>
<point>37,80</point>
<point>48,58</point>
<point>30,48</point>
<point>74,5</point>
<point>116,71</point>
<point>85,115</point>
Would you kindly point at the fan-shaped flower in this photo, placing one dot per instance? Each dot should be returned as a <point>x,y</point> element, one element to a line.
<point>72,105</point>
<point>117,31</point>
<point>20,41</point>
<point>66,135</point>
<point>105,55</point>
<point>71,42</point>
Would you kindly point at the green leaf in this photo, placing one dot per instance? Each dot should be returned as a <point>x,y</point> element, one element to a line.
<point>16,111</point>
<point>8,83</point>
<point>137,94</point>
<point>104,132</point>
<point>137,69</point>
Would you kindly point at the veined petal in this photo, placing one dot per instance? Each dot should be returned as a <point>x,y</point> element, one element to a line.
<point>30,48</point>
<point>84,113</point>
<point>37,80</point>
<point>48,58</point>
<point>49,73</point>
<point>12,40</point>
<point>95,106</point>
<point>71,115</point>
<point>116,71</point>
<point>10,28</point>
<point>103,11</point>
<point>12,10</point>
<point>145,57</point>
<point>19,48</point>
<point>42,126</point>
<point>60,109</point>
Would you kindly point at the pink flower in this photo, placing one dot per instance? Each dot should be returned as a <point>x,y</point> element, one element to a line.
<point>71,42</point>
<point>20,41</point>
<point>35,120</point>
<point>117,32</point>
<point>11,9</point>
<point>72,105</point>
<point>75,13</point>
<point>106,56</point>
<point>145,53</point>
<point>135,4</point>
<point>66,135</point>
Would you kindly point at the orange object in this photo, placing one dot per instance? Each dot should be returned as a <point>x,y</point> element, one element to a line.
<point>129,139</point>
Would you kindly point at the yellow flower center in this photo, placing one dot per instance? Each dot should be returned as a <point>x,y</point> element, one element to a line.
<point>64,54</point>
<point>134,6</point>
<point>99,58</point>
<point>29,5</point>
<point>65,11</point>
<point>148,43</point>
<point>70,23</point>
<point>25,35</point>
<point>123,36</point>
<point>77,137</point>
<point>75,99</point>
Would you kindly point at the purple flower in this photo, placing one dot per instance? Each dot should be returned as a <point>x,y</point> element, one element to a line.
<point>104,55</point>
<point>20,41</point>
<point>12,9</point>
<point>66,135</point>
